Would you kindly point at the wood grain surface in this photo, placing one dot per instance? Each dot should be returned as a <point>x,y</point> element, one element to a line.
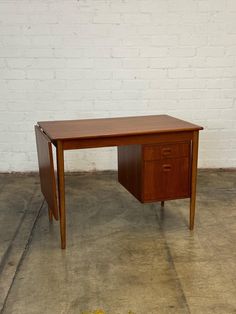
<point>110,127</point>
<point>130,168</point>
<point>157,157</point>
<point>156,172</point>
<point>46,170</point>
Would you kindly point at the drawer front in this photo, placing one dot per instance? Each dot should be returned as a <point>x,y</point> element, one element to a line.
<point>166,179</point>
<point>163,151</point>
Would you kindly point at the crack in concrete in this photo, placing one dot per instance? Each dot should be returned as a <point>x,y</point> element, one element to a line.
<point>24,252</point>
<point>7,253</point>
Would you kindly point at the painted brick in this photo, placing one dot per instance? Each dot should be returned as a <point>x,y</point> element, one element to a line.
<point>89,59</point>
<point>109,18</point>
<point>181,73</point>
<point>40,74</point>
<point>125,52</point>
<point>135,63</point>
<point>153,52</point>
<point>12,74</point>
<point>81,63</point>
<point>139,19</point>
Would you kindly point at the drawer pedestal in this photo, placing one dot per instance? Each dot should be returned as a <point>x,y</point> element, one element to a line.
<point>156,172</point>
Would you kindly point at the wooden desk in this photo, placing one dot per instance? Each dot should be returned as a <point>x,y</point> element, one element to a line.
<point>157,157</point>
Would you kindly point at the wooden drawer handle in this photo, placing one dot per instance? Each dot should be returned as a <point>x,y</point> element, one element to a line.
<point>166,167</point>
<point>166,151</point>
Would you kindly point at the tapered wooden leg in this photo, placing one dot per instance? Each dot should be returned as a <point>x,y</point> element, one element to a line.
<point>162,203</point>
<point>61,192</point>
<point>193,179</point>
<point>50,215</point>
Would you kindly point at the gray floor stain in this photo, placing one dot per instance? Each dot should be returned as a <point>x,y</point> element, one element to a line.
<point>122,256</point>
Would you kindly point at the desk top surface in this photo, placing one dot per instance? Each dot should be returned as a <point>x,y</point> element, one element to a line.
<point>109,127</point>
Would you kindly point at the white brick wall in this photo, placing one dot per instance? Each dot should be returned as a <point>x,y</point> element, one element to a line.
<point>71,59</point>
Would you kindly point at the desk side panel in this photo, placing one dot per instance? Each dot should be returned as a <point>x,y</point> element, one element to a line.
<point>46,170</point>
<point>129,168</point>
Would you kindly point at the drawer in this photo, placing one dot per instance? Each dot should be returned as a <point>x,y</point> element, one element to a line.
<point>166,179</point>
<point>166,150</point>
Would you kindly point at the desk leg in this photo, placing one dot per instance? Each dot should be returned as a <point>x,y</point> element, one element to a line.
<point>193,178</point>
<point>50,214</point>
<point>61,192</point>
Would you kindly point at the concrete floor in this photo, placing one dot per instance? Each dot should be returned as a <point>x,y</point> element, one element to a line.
<point>122,256</point>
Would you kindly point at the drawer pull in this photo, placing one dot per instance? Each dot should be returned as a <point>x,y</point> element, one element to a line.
<point>166,167</point>
<point>166,151</point>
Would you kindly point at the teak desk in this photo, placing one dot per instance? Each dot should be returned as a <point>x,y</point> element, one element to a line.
<point>157,157</point>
